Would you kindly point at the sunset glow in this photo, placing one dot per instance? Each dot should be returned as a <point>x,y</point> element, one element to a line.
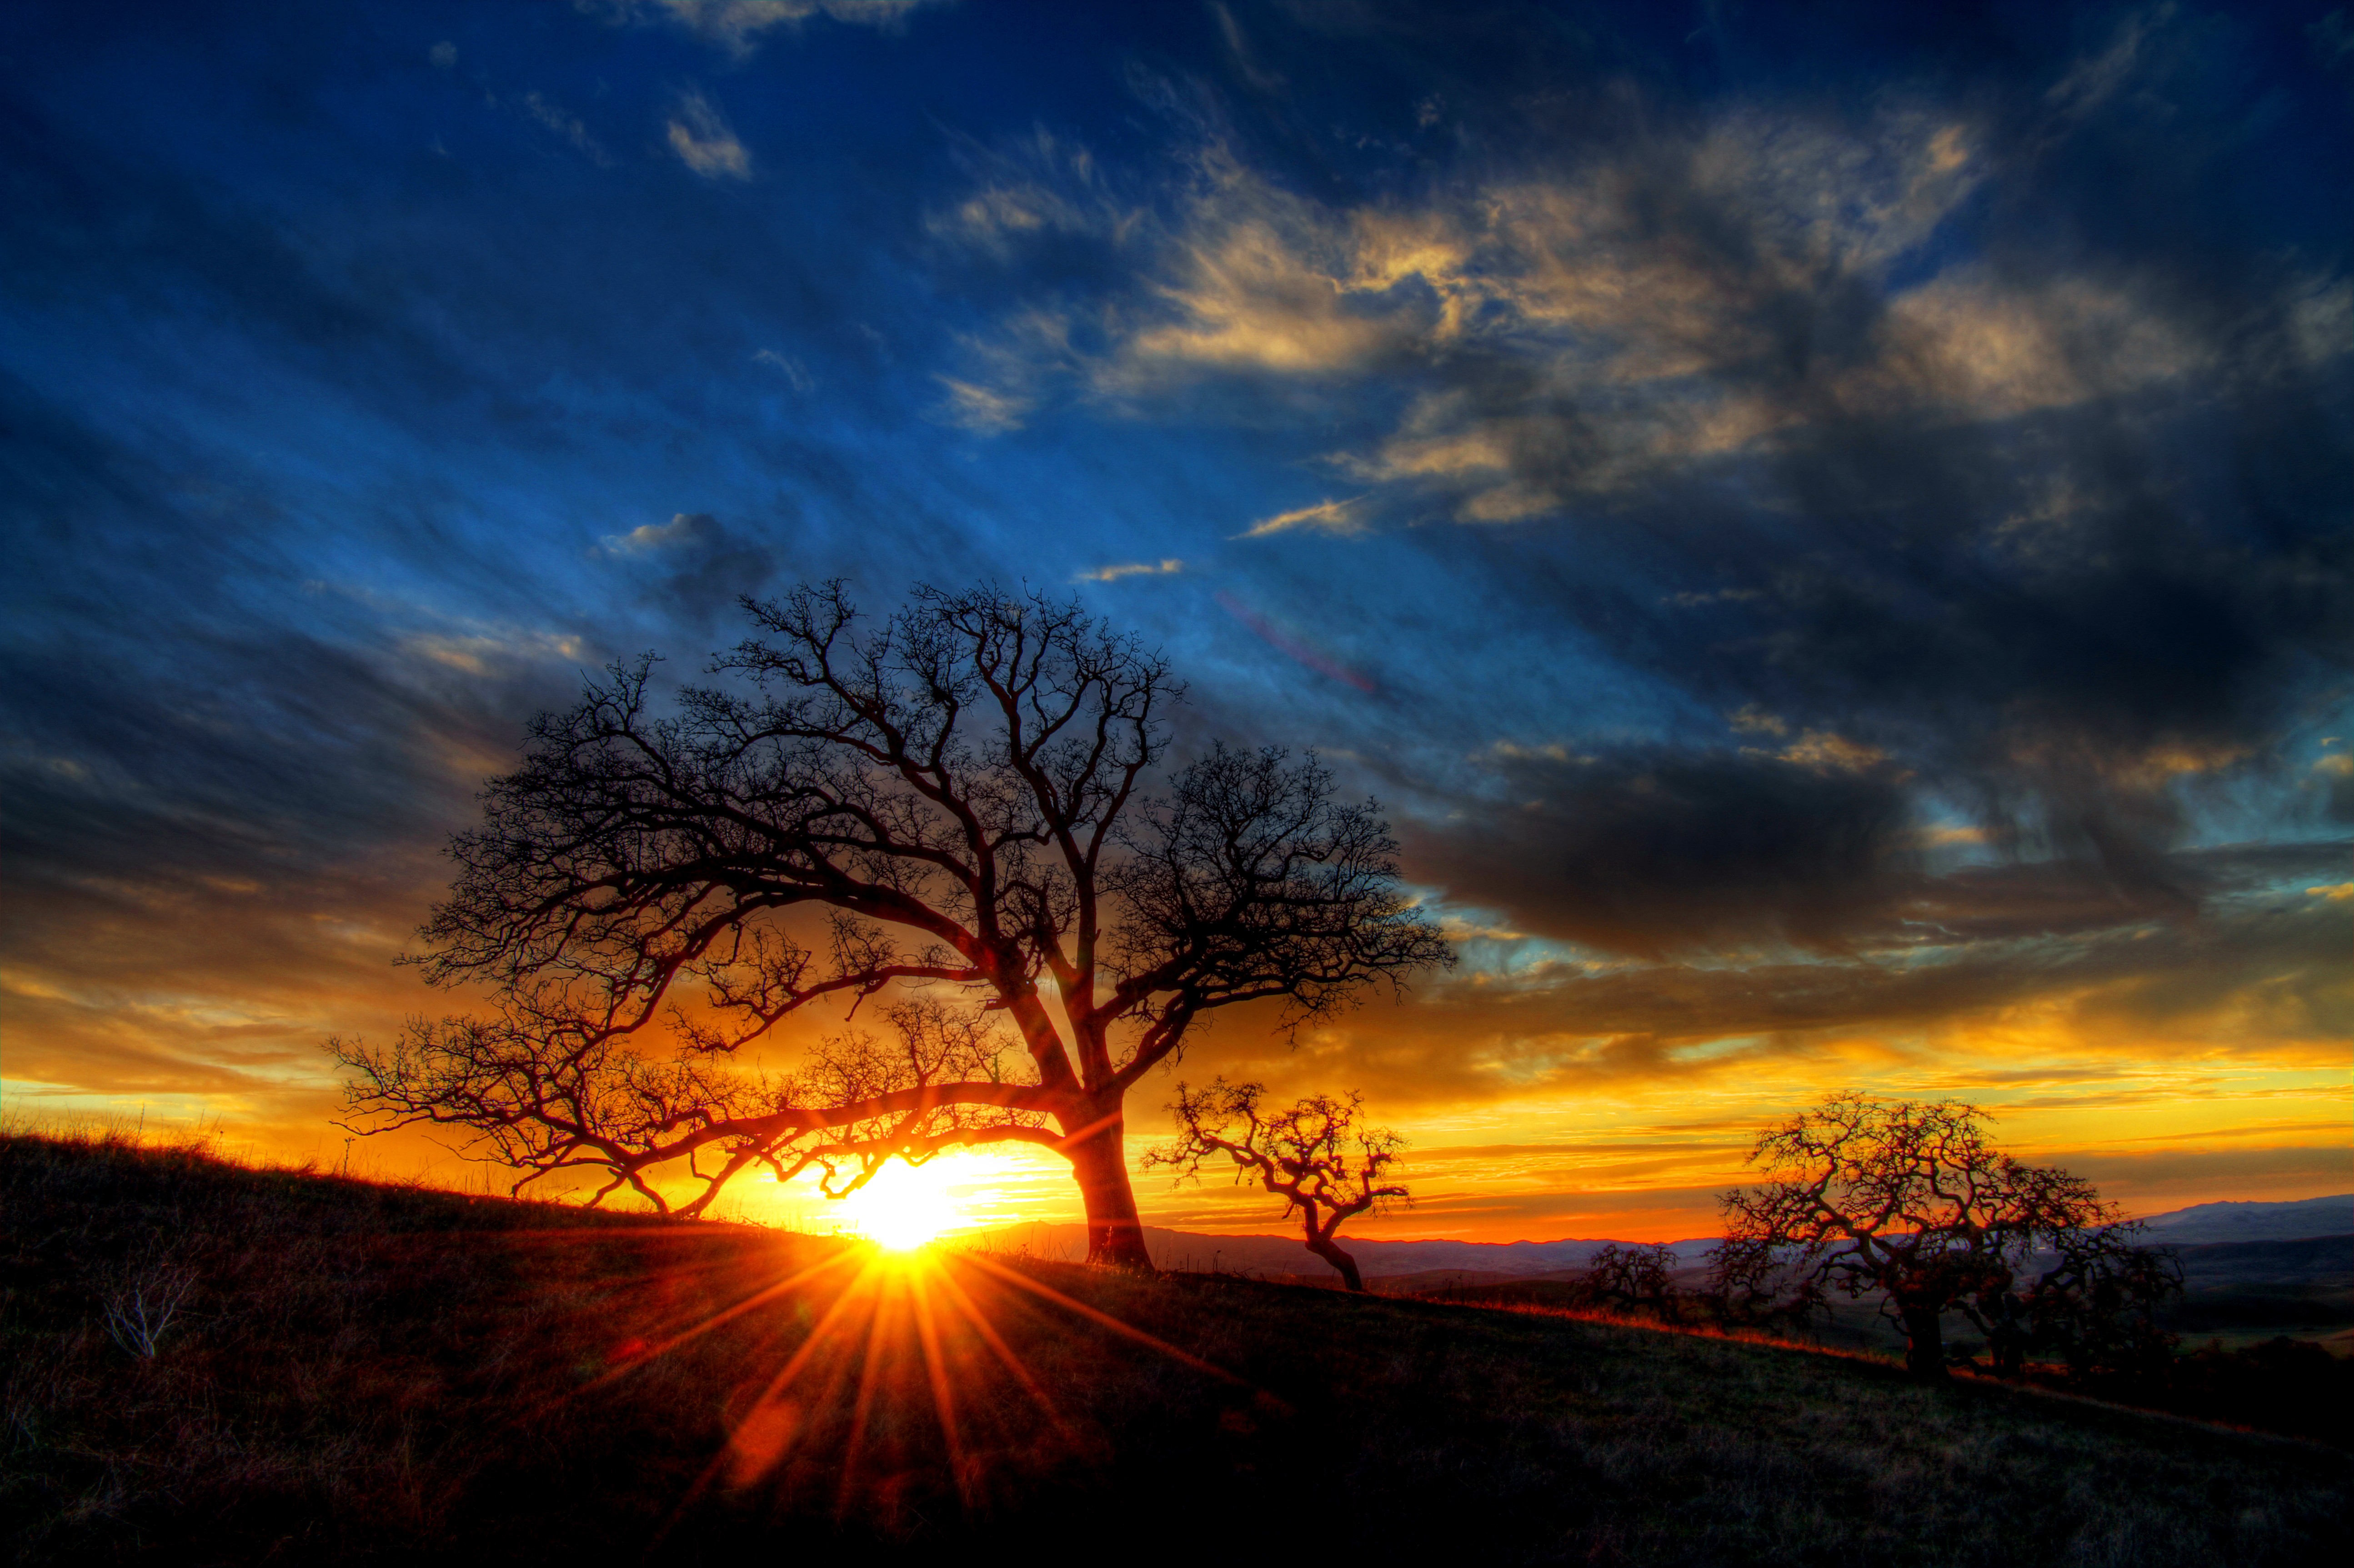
<point>1824,537</point>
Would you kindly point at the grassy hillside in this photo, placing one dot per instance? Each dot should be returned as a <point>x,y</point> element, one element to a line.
<point>363,1373</point>
<point>2236,1295</point>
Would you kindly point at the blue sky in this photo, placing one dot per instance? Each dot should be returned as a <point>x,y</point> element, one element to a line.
<point>1827,530</point>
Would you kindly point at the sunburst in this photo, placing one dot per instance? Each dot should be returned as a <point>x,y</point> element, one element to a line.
<point>898,1340</point>
<point>903,1207</point>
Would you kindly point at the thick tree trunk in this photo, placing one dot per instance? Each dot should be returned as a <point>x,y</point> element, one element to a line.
<point>1924,1343</point>
<point>1115,1235</point>
<point>1332,1253</point>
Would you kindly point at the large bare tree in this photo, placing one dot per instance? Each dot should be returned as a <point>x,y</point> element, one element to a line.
<point>963,806</point>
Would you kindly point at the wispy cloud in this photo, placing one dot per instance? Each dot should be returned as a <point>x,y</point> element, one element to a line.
<point>1130,569</point>
<point>1324,517</point>
<point>1029,187</point>
<point>737,25</point>
<point>1575,333</point>
<point>791,369</point>
<point>701,138</point>
<point>565,123</point>
<point>683,528</point>
<point>983,409</point>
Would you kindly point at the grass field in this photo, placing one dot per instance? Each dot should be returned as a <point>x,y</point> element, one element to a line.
<point>369,1374</point>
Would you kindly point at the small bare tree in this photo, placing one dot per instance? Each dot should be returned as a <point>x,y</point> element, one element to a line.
<point>963,802</point>
<point>1908,1200</point>
<point>1630,1279</point>
<point>142,1303</point>
<point>1318,1156</point>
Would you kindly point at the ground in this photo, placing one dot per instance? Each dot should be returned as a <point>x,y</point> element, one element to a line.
<point>370,1374</point>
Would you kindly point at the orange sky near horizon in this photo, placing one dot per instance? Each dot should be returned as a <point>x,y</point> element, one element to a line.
<point>1627,1154</point>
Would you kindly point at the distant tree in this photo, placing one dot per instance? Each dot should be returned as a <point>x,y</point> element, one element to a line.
<point>962,806</point>
<point>1318,1156</point>
<point>1630,1279</point>
<point>1910,1201</point>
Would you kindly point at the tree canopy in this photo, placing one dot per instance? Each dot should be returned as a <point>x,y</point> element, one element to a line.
<point>962,809</point>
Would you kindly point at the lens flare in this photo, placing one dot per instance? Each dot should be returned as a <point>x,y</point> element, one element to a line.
<point>902,1208</point>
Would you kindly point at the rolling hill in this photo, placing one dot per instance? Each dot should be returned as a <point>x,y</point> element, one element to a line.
<point>1279,1254</point>
<point>341,1372</point>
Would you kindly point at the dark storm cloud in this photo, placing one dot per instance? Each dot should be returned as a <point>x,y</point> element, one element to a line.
<point>1662,850</point>
<point>2118,999</point>
<point>1813,845</point>
<point>695,564</point>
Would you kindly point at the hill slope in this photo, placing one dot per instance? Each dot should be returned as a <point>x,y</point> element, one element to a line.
<point>362,1373</point>
<point>1283,1253</point>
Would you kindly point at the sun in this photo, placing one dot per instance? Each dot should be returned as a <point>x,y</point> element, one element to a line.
<point>904,1207</point>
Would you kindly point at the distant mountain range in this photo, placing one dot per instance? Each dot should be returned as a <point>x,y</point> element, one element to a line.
<point>2197,1225</point>
<point>2203,1223</point>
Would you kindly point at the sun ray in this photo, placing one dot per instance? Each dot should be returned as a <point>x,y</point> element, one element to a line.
<point>766,1294</point>
<point>1104,1318</point>
<point>979,1320</point>
<point>869,1378</point>
<point>845,1396</point>
<point>927,1338</point>
<point>858,1288</point>
<point>760,1445</point>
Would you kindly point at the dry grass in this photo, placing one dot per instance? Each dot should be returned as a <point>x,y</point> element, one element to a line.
<point>360,1373</point>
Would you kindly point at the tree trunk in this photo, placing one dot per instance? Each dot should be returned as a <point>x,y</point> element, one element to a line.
<point>1115,1235</point>
<point>1330,1253</point>
<point>1924,1343</point>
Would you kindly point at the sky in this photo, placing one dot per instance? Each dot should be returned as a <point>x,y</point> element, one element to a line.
<point>1828,529</point>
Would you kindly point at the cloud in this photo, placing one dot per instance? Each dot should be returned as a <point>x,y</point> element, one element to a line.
<point>566,124</point>
<point>1323,517</point>
<point>1653,851</point>
<point>2095,79</point>
<point>735,25</point>
<point>1563,286</point>
<point>1905,520</point>
<point>795,373</point>
<point>1026,190</point>
<point>684,530</point>
<point>982,408</point>
<point>2047,997</point>
<point>704,143</point>
<point>704,565</point>
<point>1130,569</point>
<point>1739,285</point>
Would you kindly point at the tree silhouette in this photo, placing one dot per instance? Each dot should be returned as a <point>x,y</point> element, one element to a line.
<point>2096,1305</point>
<point>1630,1279</point>
<point>957,807</point>
<point>1910,1199</point>
<point>1317,1155</point>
